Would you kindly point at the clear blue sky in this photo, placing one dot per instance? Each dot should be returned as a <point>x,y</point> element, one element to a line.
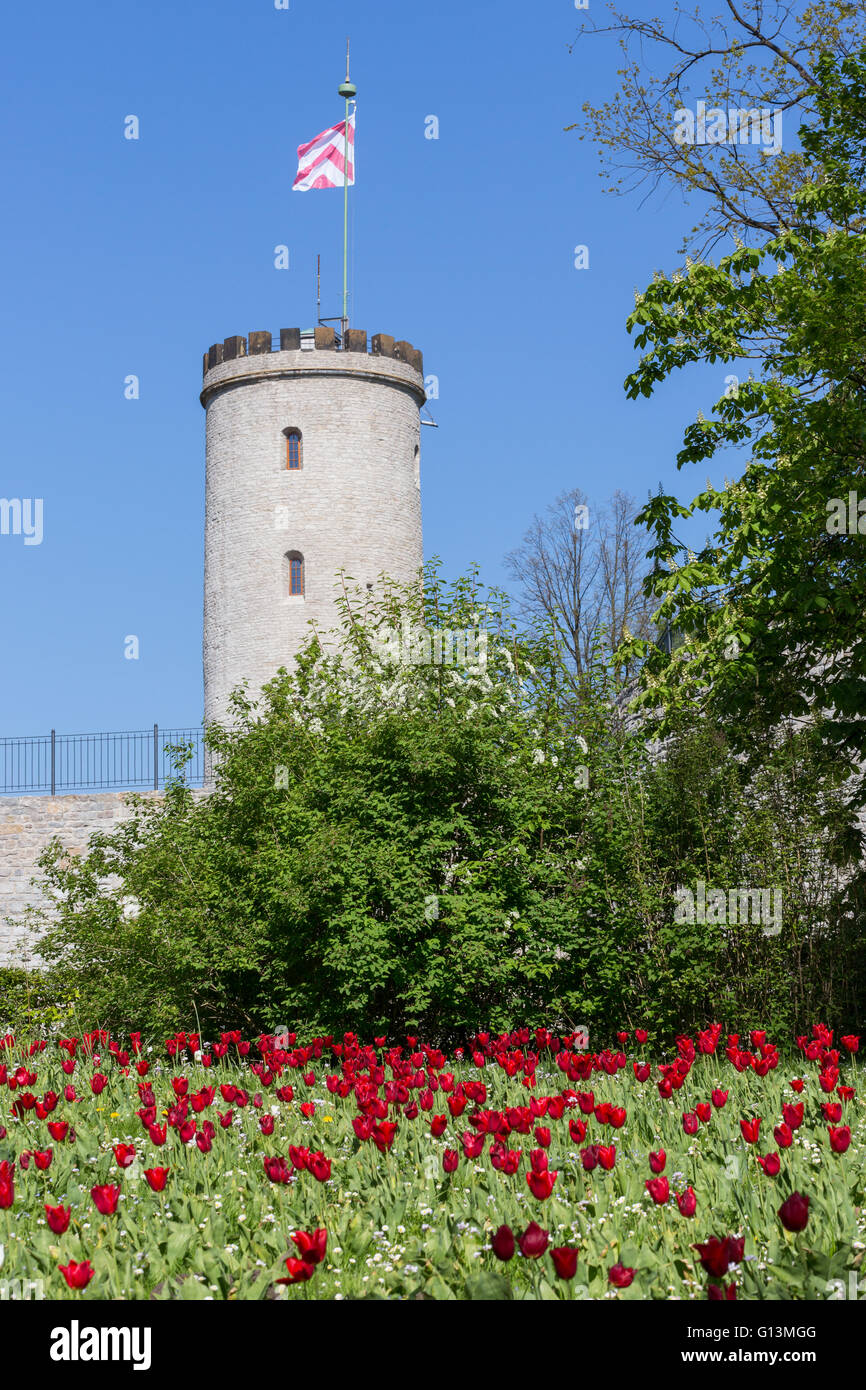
<point>128,257</point>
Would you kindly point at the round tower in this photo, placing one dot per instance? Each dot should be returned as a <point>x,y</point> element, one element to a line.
<point>313,466</point>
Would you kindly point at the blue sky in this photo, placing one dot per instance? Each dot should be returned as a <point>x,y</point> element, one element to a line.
<point>130,257</point>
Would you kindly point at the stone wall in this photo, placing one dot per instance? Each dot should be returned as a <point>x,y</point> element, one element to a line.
<point>27,823</point>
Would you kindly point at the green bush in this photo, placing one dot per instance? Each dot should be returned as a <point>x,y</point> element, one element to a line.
<point>394,846</point>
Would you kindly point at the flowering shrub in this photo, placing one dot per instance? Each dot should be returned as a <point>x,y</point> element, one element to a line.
<point>453,848</point>
<point>521,1168</point>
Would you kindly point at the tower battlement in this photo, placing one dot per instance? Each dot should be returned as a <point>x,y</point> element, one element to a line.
<point>321,339</point>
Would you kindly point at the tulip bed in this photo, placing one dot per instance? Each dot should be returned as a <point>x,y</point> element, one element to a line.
<point>521,1168</point>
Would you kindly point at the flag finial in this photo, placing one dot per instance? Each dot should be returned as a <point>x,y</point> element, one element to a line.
<point>347,89</point>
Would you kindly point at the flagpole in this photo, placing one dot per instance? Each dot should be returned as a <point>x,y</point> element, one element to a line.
<point>347,90</point>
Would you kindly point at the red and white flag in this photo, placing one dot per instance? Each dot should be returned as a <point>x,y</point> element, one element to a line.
<point>322,162</point>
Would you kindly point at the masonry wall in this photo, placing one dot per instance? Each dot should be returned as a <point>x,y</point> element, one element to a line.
<point>27,823</point>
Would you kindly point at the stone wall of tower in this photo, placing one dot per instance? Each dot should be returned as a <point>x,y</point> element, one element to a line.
<point>354,505</point>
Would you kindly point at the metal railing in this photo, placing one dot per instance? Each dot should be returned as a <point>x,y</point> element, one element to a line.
<point>56,763</point>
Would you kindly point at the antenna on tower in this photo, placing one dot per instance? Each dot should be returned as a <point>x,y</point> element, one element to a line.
<point>319,288</point>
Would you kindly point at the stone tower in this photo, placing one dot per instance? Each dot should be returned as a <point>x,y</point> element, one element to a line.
<point>313,466</point>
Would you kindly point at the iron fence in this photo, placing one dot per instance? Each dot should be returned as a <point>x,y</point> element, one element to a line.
<point>56,763</point>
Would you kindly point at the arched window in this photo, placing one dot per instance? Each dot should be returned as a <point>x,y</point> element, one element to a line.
<point>293,449</point>
<point>294,574</point>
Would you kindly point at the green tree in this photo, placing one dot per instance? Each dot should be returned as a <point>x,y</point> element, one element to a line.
<point>771,611</point>
<point>749,56</point>
<point>441,848</point>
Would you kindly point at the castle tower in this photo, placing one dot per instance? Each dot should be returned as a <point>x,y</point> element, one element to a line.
<point>313,466</point>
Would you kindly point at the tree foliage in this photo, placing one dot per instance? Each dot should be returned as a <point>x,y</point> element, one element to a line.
<point>771,611</point>
<point>441,847</point>
<point>752,55</point>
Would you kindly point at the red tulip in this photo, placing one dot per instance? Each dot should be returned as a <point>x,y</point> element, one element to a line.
<point>266,1124</point>
<point>690,1123</point>
<point>277,1169</point>
<point>783,1136</point>
<point>589,1158</point>
<point>538,1160</point>
<point>320,1167</point>
<point>502,1243</point>
<point>58,1129</point>
<point>839,1138</point>
<point>383,1136</point>
<point>726,1294</point>
<point>450,1159</point>
<point>312,1246</point>
<point>156,1178</point>
<point>58,1218</point>
<point>793,1115</point>
<point>299,1271</point>
<point>98,1083</point>
<point>750,1128</point>
<point>851,1042</point>
<point>717,1255</point>
<point>77,1276</point>
<point>43,1159</point>
<point>620,1276</point>
<point>687,1202</point>
<point>577,1130</point>
<point>125,1154</point>
<point>105,1198</point>
<point>797,1084</point>
<point>704,1111</point>
<point>641,1035</point>
<point>719,1098</point>
<point>565,1261</point>
<point>533,1242</point>
<point>158,1134</point>
<point>541,1184</point>
<point>226,1118</point>
<point>606,1155</point>
<point>542,1134</point>
<point>658,1189</point>
<point>641,1071</point>
<point>771,1164</point>
<point>794,1213</point>
<point>657,1161</point>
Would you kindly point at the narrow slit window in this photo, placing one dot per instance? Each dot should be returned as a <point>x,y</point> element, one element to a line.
<point>293,450</point>
<point>296,575</point>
